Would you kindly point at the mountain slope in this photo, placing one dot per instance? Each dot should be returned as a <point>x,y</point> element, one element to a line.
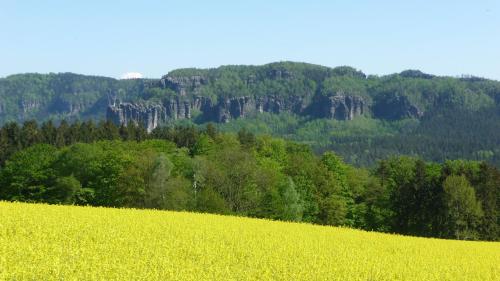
<point>364,118</point>
<point>60,96</point>
<point>231,92</point>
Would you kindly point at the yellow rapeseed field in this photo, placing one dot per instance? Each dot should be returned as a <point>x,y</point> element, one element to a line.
<point>42,242</point>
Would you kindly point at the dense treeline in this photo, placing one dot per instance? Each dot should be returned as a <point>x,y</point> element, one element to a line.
<point>185,168</point>
<point>448,134</point>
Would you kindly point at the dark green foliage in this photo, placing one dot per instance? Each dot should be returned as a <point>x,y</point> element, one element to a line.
<point>28,174</point>
<point>211,131</point>
<point>487,193</point>
<point>429,199</point>
<point>448,134</point>
<point>66,190</point>
<point>246,138</point>
<point>108,131</point>
<point>209,201</point>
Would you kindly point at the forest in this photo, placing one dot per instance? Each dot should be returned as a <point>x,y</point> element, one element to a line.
<point>409,113</point>
<point>449,134</point>
<point>206,170</point>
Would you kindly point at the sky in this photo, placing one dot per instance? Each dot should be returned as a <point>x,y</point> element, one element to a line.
<point>149,38</point>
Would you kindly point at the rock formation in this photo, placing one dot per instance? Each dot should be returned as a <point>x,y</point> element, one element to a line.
<point>341,107</point>
<point>28,105</point>
<point>182,85</point>
<point>395,107</point>
<point>150,115</point>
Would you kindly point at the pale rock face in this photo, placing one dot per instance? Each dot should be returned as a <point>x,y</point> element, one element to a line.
<point>147,115</point>
<point>70,108</point>
<point>341,106</point>
<point>183,84</point>
<point>29,105</point>
<point>226,109</point>
<point>395,108</point>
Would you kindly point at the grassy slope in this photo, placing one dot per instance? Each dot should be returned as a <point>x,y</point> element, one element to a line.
<point>41,242</point>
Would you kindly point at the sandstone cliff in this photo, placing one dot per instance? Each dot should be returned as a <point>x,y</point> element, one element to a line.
<point>226,93</point>
<point>150,115</point>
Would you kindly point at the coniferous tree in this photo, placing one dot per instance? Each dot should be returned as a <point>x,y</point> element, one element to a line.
<point>140,133</point>
<point>108,131</point>
<point>87,132</point>
<point>131,131</point>
<point>246,138</point>
<point>30,134</point>
<point>211,131</point>
<point>48,132</point>
<point>488,193</point>
<point>74,133</point>
<point>62,134</point>
<point>4,146</point>
<point>124,132</point>
<point>13,133</point>
<point>10,141</point>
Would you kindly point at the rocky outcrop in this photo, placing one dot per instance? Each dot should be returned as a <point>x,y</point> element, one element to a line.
<point>394,107</point>
<point>183,85</point>
<point>231,108</point>
<point>340,107</point>
<point>69,108</point>
<point>29,105</point>
<point>150,115</point>
<point>189,99</point>
<point>147,115</point>
<point>240,107</point>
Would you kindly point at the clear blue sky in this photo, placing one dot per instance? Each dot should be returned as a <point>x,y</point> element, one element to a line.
<point>152,37</point>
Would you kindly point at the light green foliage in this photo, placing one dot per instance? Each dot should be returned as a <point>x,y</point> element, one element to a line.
<point>292,203</point>
<point>156,179</point>
<point>203,146</point>
<point>463,210</point>
<point>258,176</point>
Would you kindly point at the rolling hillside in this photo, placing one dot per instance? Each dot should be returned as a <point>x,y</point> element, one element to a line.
<point>43,242</point>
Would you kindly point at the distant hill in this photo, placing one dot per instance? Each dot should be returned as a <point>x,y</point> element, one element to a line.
<point>362,117</point>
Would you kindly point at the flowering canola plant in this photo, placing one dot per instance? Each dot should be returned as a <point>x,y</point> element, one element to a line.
<point>44,242</point>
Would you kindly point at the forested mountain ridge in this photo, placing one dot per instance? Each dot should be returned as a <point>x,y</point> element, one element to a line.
<point>362,117</point>
<point>60,96</point>
<point>298,88</point>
